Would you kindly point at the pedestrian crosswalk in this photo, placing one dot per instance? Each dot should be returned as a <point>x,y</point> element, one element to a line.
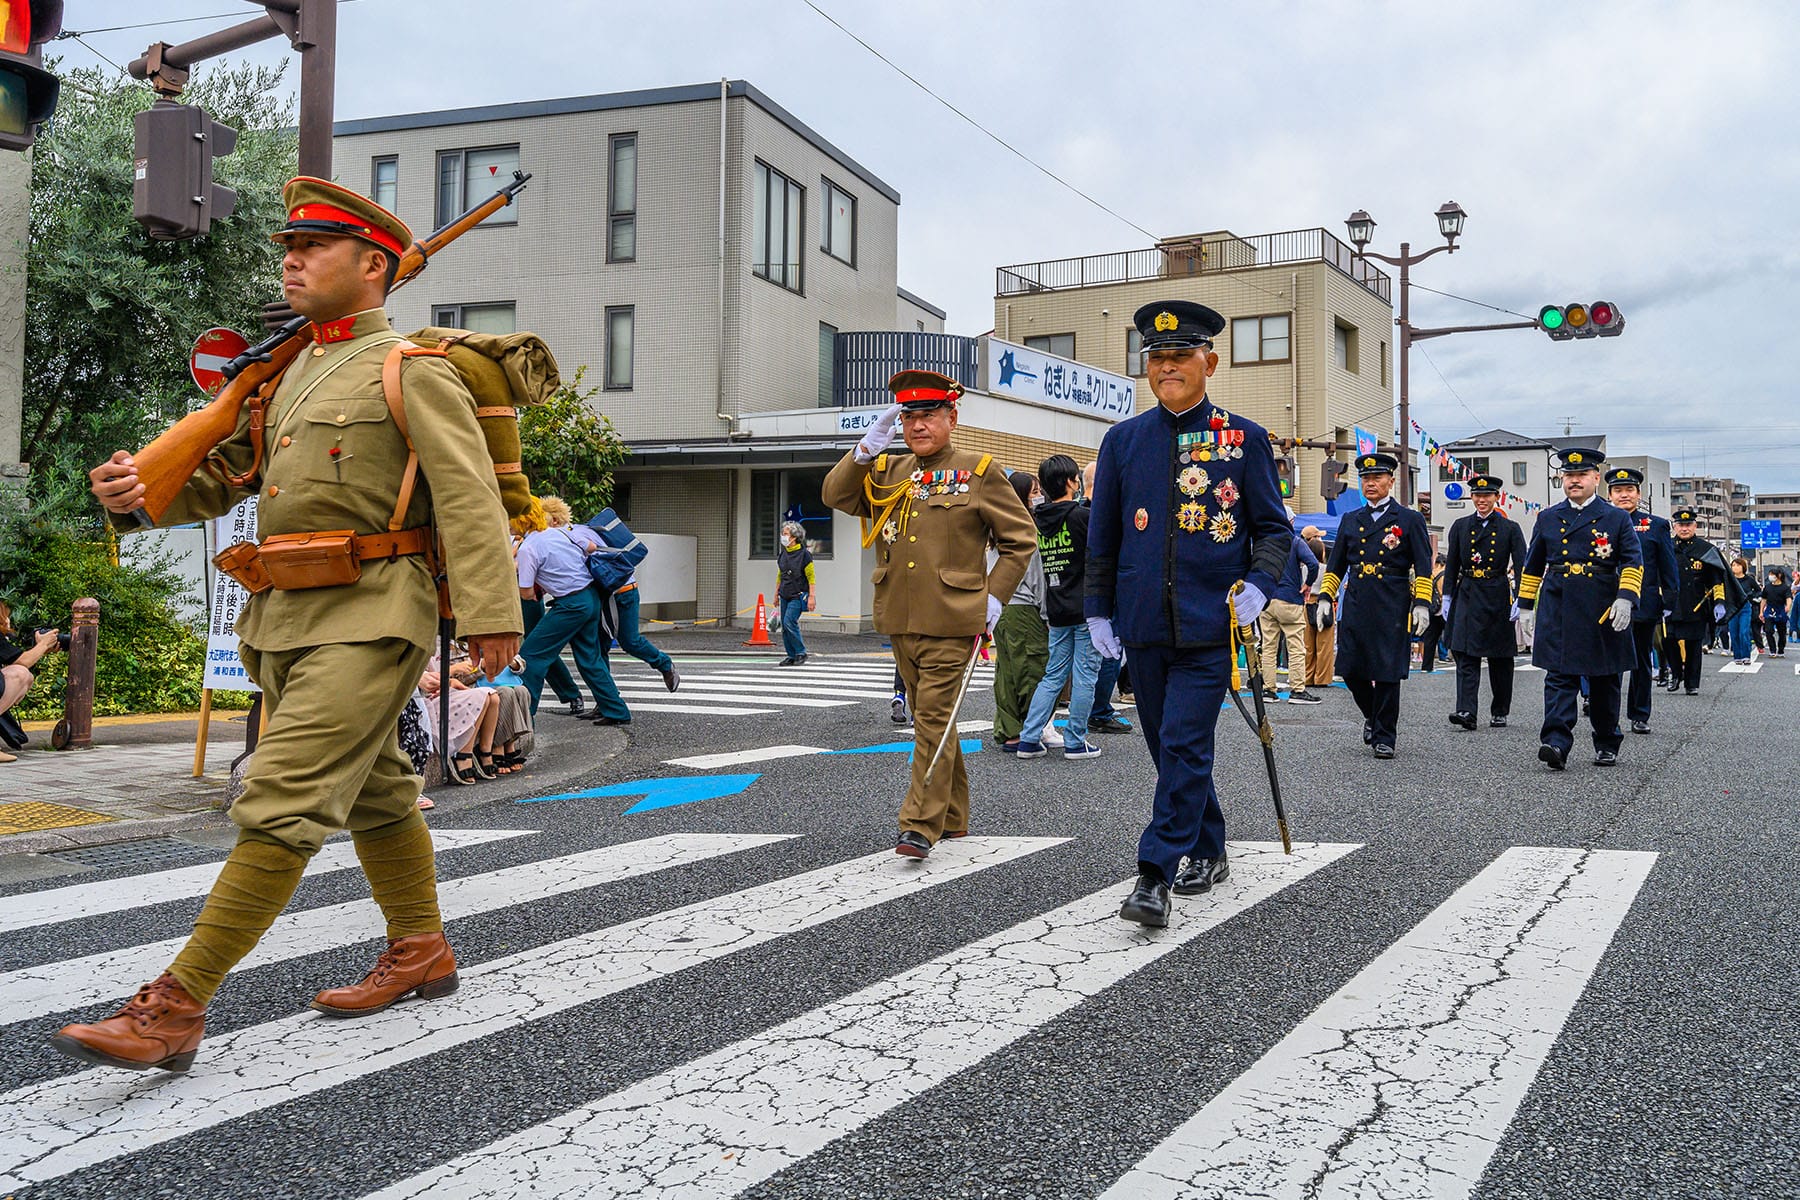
<point>1401,1083</point>
<point>752,686</point>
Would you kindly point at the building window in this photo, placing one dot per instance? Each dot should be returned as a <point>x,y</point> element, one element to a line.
<point>501,318</point>
<point>1259,340</point>
<point>920,325</point>
<point>1343,346</point>
<point>1518,474</point>
<point>778,209</point>
<point>1384,364</point>
<point>618,348</point>
<point>384,187</point>
<point>1060,344</point>
<point>467,177</point>
<point>621,192</point>
<point>777,497</point>
<point>621,499</point>
<point>1134,354</point>
<point>839,224</point>
<point>827,365</point>
<point>1474,466</point>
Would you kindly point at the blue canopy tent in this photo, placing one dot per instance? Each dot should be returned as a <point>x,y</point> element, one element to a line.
<point>1327,523</point>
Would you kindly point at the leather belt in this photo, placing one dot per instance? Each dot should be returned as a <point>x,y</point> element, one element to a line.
<point>1375,570</point>
<point>1479,573</point>
<point>630,587</point>
<point>1581,568</point>
<point>391,545</point>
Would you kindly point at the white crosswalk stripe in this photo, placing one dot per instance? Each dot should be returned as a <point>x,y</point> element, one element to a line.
<point>725,688</point>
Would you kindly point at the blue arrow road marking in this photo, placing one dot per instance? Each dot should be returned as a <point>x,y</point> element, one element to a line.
<point>661,793</point>
<point>969,746</point>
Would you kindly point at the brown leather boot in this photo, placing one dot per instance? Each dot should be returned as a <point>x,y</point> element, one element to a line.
<point>157,1029</point>
<point>420,965</point>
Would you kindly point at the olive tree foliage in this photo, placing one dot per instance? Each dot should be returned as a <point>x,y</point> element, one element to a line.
<point>570,448</point>
<point>112,314</point>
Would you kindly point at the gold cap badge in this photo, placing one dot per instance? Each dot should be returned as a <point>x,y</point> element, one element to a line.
<point>1165,321</point>
<point>1575,457</point>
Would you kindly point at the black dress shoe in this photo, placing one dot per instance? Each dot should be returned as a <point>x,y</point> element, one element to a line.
<point>672,678</point>
<point>1199,876</point>
<point>612,720</point>
<point>1552,757</point>
<point>1606,758</point>
<point>912,845</point>
<point>789,661</point>
<point>1693,691</point>
<point>1496,722</point>
<point>1640,727</point>
<point>575,709</point>
<point>1368,733</point>
<point>1465,720</point>
<point>1383,750</point>
<point>1148,903</point>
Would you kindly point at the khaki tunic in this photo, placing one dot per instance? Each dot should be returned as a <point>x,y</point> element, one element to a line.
<point>931,588</point>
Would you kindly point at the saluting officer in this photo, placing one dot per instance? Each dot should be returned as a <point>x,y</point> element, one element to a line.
<point>1581,580</point>
<point>1699,592</point>
<point>1624,487</point>
<point>930,514</point>
<point>1485,553</point>
<point>1381,562</point>
<point>1186,504</point>
<point>336,663</point>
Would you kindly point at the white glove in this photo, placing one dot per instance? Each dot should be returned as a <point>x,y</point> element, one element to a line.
<point>880,435</point>
<point>1322,614</point>
<point>1621,614</point>
<point>1248,602</point>
<point>1444,611</point>
<point>1667,613</point>
<point>1100,632</point>
<point>1514,614</point>
<point>1718,612</point>
<point>995,608</point>
<point>1421,619</point>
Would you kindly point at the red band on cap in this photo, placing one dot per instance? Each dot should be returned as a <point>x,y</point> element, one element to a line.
<point>908,395</point>
<point>325,212</point>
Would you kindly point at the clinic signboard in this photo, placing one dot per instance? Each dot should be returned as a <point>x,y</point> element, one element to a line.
<point>1021,373</point>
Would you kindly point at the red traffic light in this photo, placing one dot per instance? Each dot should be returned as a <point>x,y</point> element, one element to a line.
<point>1608,320</point>
<point>28,93</point>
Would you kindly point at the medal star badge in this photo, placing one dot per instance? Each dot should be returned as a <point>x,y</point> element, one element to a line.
<point>1141,520</point>
<point>1602,546</point>
<point>1392,538</point>
<point>1192,481</point>
<point>890,533</point>
<point>1224,527</point>
<point>1191,517</point>
<point>1226,493</point>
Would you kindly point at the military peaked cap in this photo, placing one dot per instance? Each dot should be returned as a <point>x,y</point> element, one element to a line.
<point>1484,485</point>
<point>1377,463</point>
<point>1623,475</point>
<point>922,391</point>
<point>1684,514</point>
<point>1578,458</point>
<point>1177,325</point>
<point>321,206</point>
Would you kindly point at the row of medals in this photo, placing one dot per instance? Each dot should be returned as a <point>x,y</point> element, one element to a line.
<point>1192,481</point>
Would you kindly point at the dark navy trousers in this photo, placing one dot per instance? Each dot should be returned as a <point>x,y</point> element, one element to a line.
<point>1178,697</point>
<point>1562,695</point>
<point>1643,675</point>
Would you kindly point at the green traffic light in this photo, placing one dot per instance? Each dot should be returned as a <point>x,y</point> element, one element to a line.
<point>1551,317</point>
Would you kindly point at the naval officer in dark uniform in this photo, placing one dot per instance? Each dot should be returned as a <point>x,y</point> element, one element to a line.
<point>1186,505</point>
<point>1624,487</point>
<point>1698,593</point>
<point>1582,576</point>
<point>1381,562</point>
<point>1485,552</point>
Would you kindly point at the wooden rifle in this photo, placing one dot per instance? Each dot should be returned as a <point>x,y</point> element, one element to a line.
<point>166,464</point>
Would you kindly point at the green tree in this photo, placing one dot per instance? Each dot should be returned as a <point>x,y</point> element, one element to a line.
<point>571,448</point>
<point>112,314</point>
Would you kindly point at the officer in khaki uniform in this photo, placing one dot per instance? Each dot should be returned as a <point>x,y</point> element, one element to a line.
<point>929,514</point>
<point>336,663</point>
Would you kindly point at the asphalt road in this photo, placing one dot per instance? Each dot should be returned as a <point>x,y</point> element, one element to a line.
<point>1474,977</point>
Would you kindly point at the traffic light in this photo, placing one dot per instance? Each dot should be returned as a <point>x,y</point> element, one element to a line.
<point>1602,318</point>
<point>1331,478</point>
<point>172,194</point>
<point>1285,467</point>
<point>27,91</point>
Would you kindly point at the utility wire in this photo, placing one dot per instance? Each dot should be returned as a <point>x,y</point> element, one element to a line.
<point>1478,303</point>
<point>68,33</point>
<point>109,62</point>
<point>1453,391</point>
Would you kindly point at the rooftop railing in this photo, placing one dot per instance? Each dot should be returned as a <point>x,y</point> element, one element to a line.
<point>1211,254</point>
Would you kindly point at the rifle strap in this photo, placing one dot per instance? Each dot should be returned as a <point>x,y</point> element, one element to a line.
<point>390,390</point>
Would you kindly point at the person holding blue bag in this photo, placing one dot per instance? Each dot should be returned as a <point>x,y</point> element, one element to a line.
<point>614,568</point>
<point>553,563</point>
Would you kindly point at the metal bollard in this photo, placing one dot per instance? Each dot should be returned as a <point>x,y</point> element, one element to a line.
<point>76,729</point>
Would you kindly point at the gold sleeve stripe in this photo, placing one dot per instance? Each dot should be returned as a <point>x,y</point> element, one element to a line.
<point>1422,588</point>
<point>1329,585</point>
<point>1631,579</point>
<point>1718,592</point>
<point>1529,585</point>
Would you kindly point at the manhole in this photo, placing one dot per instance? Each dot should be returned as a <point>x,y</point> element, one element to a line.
<point>147,852</point>
<point>33,815</point>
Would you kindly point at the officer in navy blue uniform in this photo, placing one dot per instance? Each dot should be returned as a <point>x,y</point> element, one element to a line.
<point>1484,551</point>
<point>1378,546</point>
<point>1582,577</point>
<point>1624,487</point>
<point>1186,505</point>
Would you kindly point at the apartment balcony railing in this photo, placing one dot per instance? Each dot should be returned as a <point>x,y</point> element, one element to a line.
<point>863,362</point>
<point>1212,254</point>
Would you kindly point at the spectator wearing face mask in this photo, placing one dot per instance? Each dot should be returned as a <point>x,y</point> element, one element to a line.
<point>1021,639</point>
<point>795,591</point>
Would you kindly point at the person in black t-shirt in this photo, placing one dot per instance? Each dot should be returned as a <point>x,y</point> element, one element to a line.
<point>16,662</point>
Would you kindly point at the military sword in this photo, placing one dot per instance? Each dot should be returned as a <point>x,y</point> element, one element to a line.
<point>1242,635</point>
<point>950,728</point>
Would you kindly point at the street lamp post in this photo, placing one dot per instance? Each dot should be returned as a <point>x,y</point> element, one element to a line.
<point>1450,217</point>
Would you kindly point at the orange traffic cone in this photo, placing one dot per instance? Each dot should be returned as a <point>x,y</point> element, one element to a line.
<point>759,635</point>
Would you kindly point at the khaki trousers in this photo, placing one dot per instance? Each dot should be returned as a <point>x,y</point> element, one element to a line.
<point>1321,655</point>
<point>330,758</point>
<point>1281,619</point>
<point>932,668</point>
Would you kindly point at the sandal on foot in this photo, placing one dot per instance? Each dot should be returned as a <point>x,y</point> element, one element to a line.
<point>462,769</point>
<point>426,803</point>
<point>484,764</point>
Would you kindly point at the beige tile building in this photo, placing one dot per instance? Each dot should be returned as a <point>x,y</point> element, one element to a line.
<point>1307,351</point>
<point>1719,503</point>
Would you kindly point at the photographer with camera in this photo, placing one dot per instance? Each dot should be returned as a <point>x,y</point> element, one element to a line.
<point>15,669</point>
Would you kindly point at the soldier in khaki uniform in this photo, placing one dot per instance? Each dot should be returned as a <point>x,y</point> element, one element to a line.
<point>336,663</point>
<point>930,514</point>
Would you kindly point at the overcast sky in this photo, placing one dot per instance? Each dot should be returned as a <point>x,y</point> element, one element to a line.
<point>1640,153</point>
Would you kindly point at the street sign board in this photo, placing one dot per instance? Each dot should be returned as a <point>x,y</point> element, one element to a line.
<point>1761,534</point>
<point>212,350</point>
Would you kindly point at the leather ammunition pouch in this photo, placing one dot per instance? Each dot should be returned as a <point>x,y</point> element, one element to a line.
<point>296,561</point>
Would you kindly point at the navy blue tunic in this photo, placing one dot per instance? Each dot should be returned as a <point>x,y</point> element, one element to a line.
<point>1382,567</point>
<point>1660,581</point>
<point>1481,557</point>
<point>1580,561</point>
